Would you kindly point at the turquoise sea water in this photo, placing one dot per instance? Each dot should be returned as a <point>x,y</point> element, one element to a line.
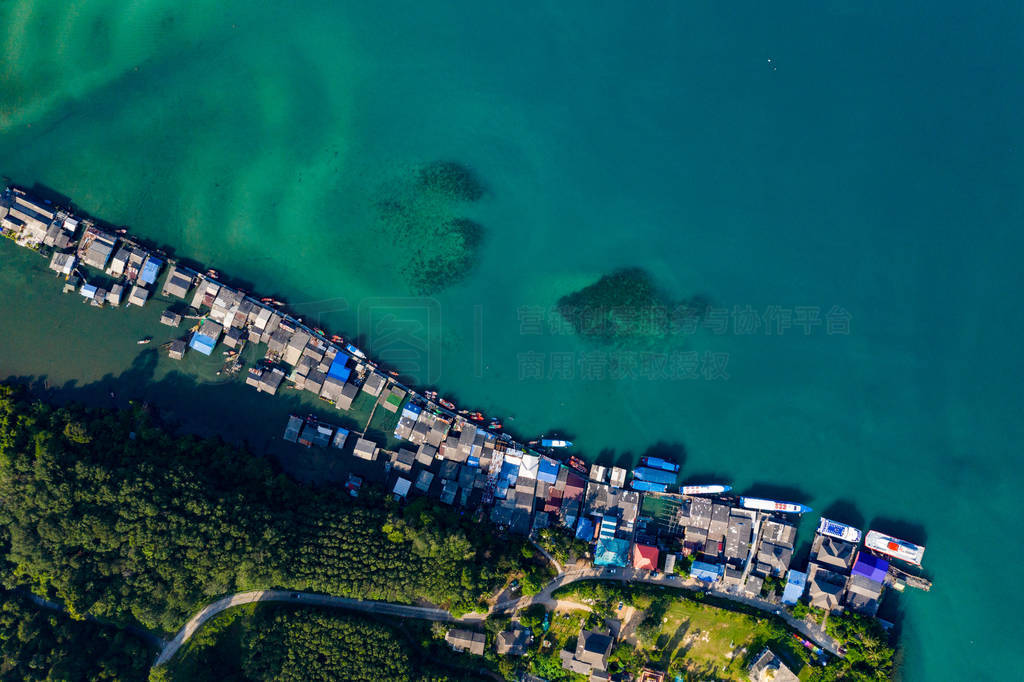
<point>856,156</point>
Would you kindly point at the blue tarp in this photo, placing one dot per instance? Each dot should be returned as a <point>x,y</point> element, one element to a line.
<point>88,290</point>
<point>795,584</point>
<point>870,566</point>
<point>202,343</point>
<point>338,369</point>
<point>473,461</point>
<point>509,472</point>
<point>709,573</point>
<point>339,437</point>
<point>547,470</point>
<point>150,269</point>
<point>585,531</point>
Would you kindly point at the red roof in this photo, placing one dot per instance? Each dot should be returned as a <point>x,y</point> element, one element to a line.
<point>554,500</point>
<point>645,556</point>
<point>574,486</point>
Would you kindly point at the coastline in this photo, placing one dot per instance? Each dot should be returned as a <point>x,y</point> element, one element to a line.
<point>243,310</point>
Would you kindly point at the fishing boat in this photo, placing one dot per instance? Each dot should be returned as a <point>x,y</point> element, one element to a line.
<point>658,463</point>
<point>648,486</point>
<point>337,339</point>
<point>838,530</point>
<point>552,443</point>
<point>705,489</point>
<point>144,340</point>
<point>447,404</point>
<point>355,351</point>
<point>393,372</point>
<point>894,547</point>
<point>654,475</point>
<point>477,416</point>
<point>212,273</point>
<point>319,331</point>
<point>578,464</point>
<point>762,504</point>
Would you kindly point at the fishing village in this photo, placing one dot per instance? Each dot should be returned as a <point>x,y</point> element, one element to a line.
<point>638,522</point>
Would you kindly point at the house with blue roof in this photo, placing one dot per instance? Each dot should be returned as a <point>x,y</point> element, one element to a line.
<point>707,572</point>
<point>611,552</point>
<point>150,270</point>
<point>796,583</point>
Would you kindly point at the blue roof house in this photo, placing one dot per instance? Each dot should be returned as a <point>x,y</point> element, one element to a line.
<point>611,552</point>
<point>150,269</point>
<point>709,573</point>
<point>796,582</point>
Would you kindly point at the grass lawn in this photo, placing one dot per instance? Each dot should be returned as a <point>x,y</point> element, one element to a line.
<point>713,642</point>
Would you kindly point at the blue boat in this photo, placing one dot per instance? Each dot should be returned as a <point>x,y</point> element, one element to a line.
<point>552,443</point>
<point>659,463</point>
<point>654,475</point>
<point>648,486</point>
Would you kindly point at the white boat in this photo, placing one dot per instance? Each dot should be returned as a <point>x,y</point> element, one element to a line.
<point>894,547</point>
<point>839,530</point>
<point>761,504</point>
<point>705,489</point>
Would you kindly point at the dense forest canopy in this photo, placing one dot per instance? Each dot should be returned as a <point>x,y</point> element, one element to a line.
<point>44,645</point>
<point>117,517</point>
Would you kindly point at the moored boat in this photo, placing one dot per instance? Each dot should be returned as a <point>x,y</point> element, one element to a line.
<point>839,530</point>
<point>762,504</point>
<point>894,547</point>
<point>654,475</point>
<point>705,489</point>
<point>647,486</point>
<point>144,340</point>
<point>578,464</point>
<point>554,443</point>
<point>659,463</point>
<point>447,404</point>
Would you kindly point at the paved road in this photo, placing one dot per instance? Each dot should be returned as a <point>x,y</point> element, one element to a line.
<point>377,607</point>
<point>814,633</point>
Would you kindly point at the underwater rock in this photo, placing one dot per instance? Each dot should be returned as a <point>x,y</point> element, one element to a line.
<point>625,305</point>
<point>452,180</point>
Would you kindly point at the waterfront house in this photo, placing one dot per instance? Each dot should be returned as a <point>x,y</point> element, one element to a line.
<point>374,384</point>
<point>119,261</point>
<point>449,489</point>
<point>423,481</point>
<point>449,470</point>
<point>591,655</point>
<point>775,557</point>
<point>331,389</point>
<point>150,270</point>
<point>402,487</point>
<point>27,220</point>
<point>863,594</point>
<point>253,376</point>
<point>366,449</point>
<point>825,588</point>
<point>719,524</point>
<point>63,263</point>
<point>178,282</point>
<point>514,642</point>
<point>796,583</point>
<point>225,308</point>
<point>778,533</point>
<point>206,292</point>
<point>645,557</point>
<point>597,473</point>
<point>426,454</point>
<point>115,294</point>
<point>738,535</point>
<point>466,641</point>
<point>617,478</point>
<point>767,667</point>
<point>270,381</point>
<point>232,337</point>
<point>402,461</point>
<point>176,349</point>
<point>138,296</point>
<point>170,318</point>
<point>296,344</point>
<point>348,394</point>
<point>314,382</point>
<point>95,247</point>
<point>340,436</point>
<point>394,399</point>
<point>836,554</point>
<point>277,343</point>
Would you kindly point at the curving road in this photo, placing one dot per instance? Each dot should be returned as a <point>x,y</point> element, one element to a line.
<point>377,607</point>
<point>812,632</point>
